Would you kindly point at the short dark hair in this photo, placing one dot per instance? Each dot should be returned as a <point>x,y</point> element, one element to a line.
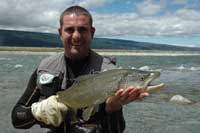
<point>78,10</point>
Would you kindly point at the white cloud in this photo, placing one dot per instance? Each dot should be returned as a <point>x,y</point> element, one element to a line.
<point>188,14</point>
<point>93,3</point>
<point>37,15</point>
<point>148,7</point>
<point>131,24</point>
<point>43,16</point>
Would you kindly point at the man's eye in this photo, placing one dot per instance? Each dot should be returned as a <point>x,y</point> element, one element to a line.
<point>69,30</point>
<point>82,29</point>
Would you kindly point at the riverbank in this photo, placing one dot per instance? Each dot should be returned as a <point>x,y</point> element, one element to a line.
<point>108,52</point>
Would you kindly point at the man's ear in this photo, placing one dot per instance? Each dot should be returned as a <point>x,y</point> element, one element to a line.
<point>92,31</point>
<point>60,31</point>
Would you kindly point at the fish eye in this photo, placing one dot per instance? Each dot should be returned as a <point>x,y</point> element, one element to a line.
<point>142,78</point>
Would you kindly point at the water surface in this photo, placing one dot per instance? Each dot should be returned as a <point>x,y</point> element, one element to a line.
<point>154,114</point>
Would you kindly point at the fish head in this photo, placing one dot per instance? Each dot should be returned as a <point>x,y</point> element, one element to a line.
<point>140,78</point>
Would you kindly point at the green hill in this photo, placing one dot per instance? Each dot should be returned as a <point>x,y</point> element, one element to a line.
<point>35,39</point>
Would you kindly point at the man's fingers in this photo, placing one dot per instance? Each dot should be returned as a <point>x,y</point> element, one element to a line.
<point>130,90</point>
<point>129,94</point>
<point>119,92</point>
<point>144,94</point>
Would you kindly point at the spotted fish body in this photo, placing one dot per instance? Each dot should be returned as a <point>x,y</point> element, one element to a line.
<point>92,89</point>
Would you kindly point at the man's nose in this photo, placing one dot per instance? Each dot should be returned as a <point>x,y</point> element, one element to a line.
<point>76,35</point>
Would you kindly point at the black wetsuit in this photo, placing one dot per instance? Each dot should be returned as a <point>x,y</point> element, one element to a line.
<point>22,116</point>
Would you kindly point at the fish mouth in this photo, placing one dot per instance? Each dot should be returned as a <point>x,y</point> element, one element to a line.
<point>153,88</point>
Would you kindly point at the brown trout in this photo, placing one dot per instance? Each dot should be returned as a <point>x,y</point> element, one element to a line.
<point>92,89</point>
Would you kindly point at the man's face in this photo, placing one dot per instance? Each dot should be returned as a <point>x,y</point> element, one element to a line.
<point>76,34</point>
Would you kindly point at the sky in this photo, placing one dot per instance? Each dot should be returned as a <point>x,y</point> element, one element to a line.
<point>175,22</point>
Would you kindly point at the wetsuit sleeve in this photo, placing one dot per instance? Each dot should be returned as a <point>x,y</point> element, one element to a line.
<point>112,122</point>
<point>21,114</point>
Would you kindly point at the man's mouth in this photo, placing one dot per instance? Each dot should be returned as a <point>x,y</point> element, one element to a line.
<point>75,44</point>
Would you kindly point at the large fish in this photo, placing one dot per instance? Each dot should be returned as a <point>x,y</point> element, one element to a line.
<point>92,89</point>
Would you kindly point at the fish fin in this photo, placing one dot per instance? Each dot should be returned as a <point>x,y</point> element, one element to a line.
<point>88,112</point>
<point>87,76</point>
<point>95,72</point>
<point>76,81</point>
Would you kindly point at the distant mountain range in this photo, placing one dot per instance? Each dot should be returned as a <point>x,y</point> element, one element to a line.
<point>35,39</point>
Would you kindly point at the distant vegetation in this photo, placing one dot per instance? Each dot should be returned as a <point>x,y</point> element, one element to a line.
<point>11,38</point>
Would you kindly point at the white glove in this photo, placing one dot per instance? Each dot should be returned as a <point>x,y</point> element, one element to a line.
<point>49,111</point>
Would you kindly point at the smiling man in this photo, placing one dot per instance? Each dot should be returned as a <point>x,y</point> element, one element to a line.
<point>76,33</point>
<point>38,104</point>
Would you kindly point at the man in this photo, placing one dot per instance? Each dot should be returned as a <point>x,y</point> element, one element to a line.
<point>38,104</point>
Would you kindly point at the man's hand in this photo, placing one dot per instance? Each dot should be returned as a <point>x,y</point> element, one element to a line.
<point>49,111</point>
<point>124,96</point>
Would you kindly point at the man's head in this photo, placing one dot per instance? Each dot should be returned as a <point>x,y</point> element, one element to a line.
<point>76,32</point>
<point>77,10</point>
